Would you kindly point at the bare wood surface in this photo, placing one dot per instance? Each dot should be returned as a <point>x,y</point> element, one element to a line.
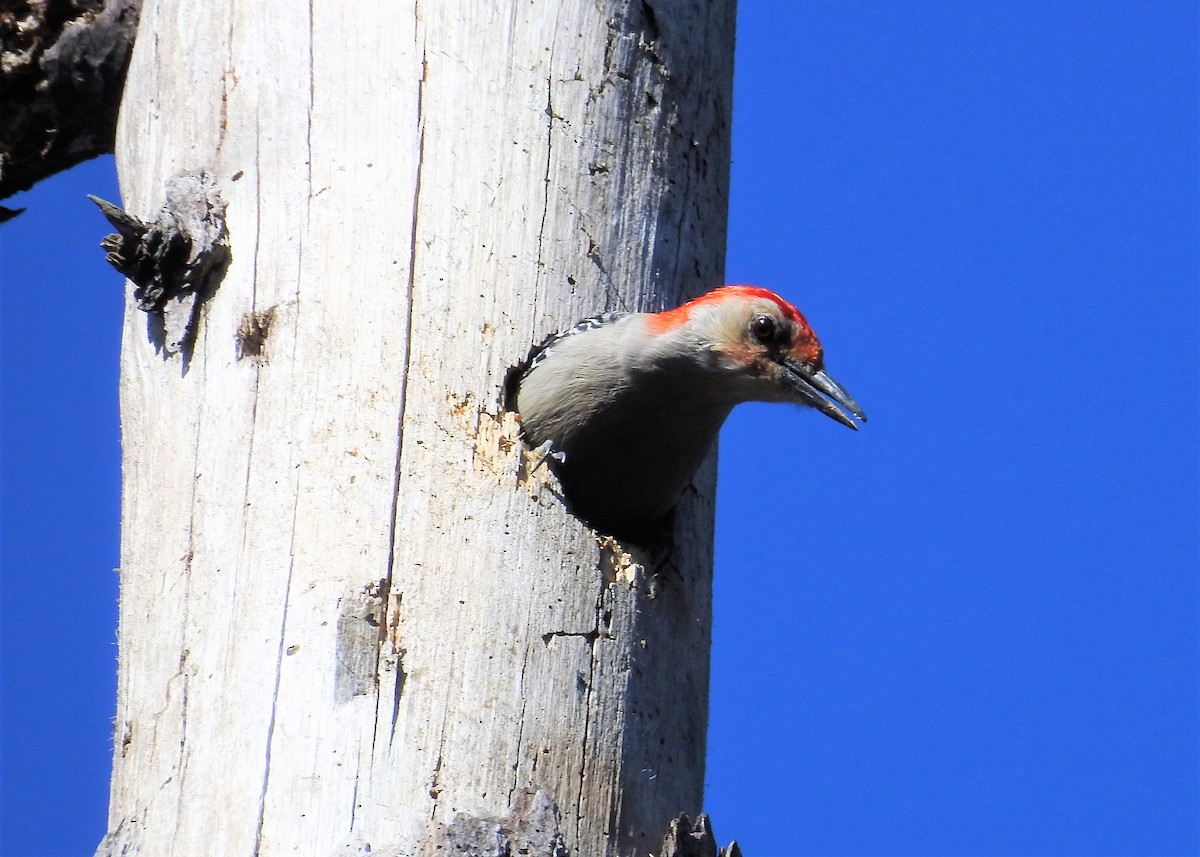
<point>351,617</point>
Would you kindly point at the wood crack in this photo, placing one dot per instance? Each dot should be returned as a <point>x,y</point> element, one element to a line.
<point>279,653</point>
<point>587,717</point>
<point>549,153</point>
<point>403,386</point>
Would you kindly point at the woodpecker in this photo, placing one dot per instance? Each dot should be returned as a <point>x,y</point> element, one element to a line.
<point>629,404</point>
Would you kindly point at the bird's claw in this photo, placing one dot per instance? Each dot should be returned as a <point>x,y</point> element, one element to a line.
<point>545,451</point>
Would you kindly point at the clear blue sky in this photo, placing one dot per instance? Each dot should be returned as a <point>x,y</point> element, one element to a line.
<point>968,629</point>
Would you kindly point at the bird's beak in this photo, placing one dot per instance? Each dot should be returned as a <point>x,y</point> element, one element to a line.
<point>822,392</point>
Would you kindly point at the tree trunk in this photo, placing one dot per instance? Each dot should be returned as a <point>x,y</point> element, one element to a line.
<point>351,615</point>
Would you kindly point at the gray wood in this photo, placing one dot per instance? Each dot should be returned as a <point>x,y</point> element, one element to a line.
<point>351,615</point>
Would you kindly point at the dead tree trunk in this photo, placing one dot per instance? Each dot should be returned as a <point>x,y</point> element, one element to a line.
<point>350,615</point>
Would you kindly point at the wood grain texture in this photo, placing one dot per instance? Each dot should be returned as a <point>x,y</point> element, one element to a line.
<point>350,615</point>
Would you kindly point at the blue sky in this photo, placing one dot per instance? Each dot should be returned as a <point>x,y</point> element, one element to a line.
<point>969,628</point>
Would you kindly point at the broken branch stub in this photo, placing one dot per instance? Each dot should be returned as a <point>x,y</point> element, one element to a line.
<point>175,262</point>
<point>687,838</point>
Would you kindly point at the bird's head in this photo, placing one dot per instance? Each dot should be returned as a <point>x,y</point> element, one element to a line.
<point>762,348</point>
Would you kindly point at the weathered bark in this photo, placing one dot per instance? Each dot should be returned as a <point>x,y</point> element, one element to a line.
<point>174,262</point>
<point>351,617</point>
<point>687,838</point>
<point>62,67</point>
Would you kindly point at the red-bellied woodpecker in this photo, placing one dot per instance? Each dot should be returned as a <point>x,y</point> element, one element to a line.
<point>630,403</point>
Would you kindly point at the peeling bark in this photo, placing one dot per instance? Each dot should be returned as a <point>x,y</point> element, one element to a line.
<point>175,262</point>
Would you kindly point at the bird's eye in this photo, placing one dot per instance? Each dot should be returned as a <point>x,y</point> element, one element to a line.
<point>764,329</point>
